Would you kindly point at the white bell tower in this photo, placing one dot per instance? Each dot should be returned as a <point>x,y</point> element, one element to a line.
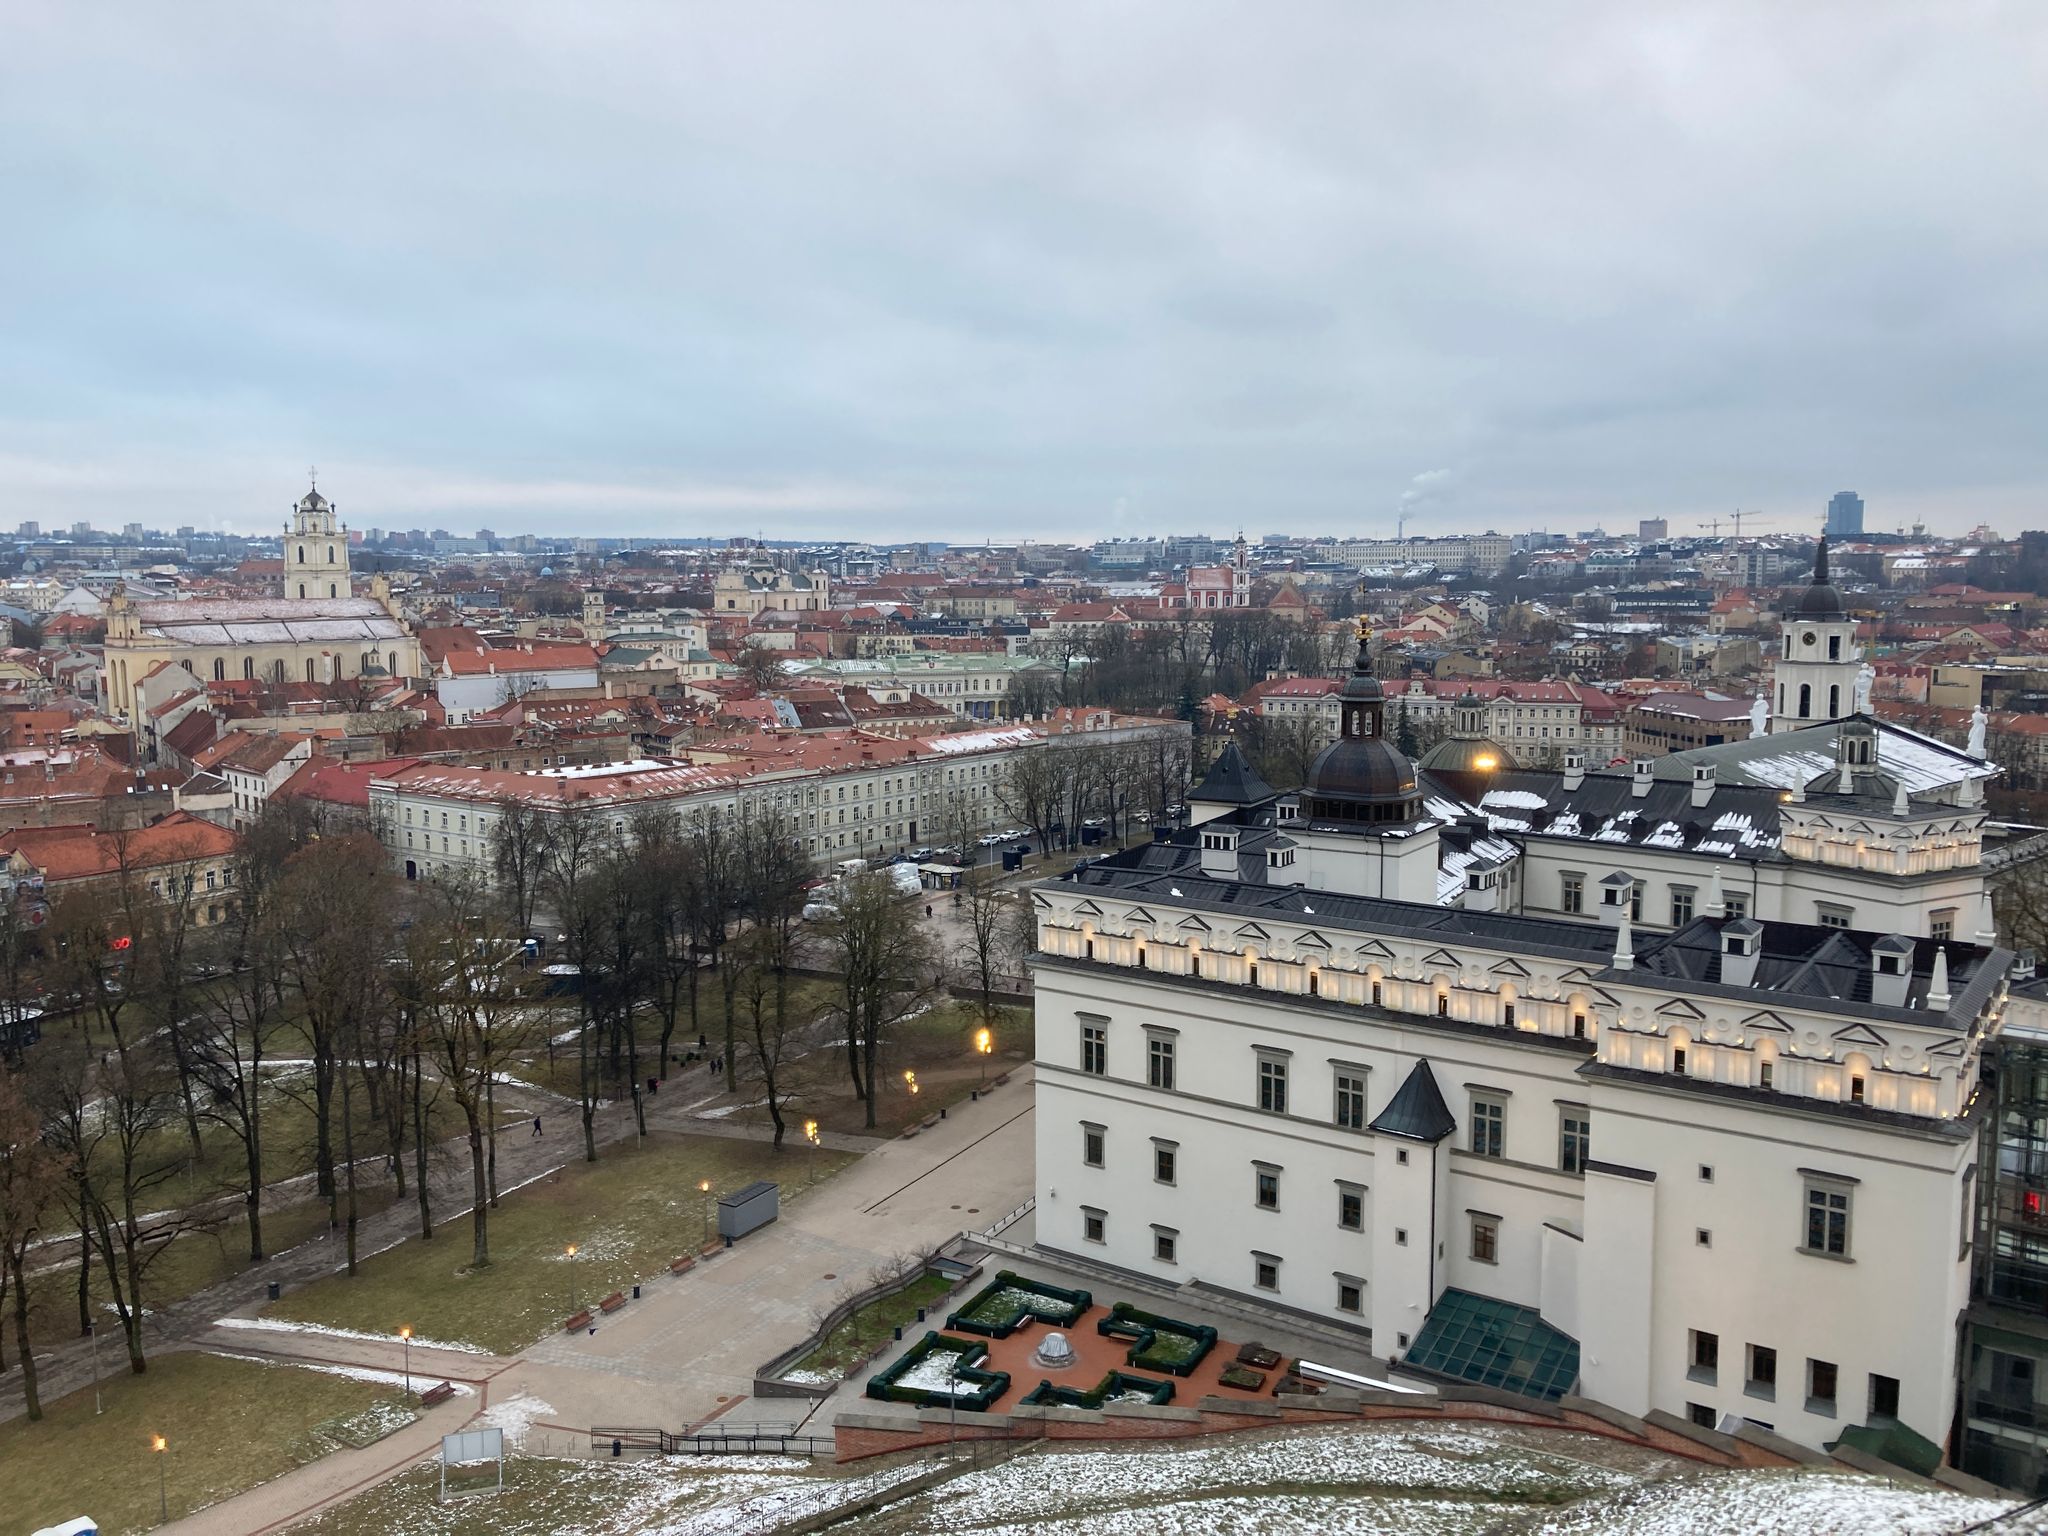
<point>316,551</point>
<point>1814,677</point>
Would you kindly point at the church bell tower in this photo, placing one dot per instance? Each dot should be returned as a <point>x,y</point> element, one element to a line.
<point>316,551</point>
<point>1814,674</point>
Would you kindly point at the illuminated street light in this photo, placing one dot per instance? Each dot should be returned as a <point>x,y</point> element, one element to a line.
<point>984,1043</point>
<point>704,1189</point>
<point>159,1445</point>
<point>406,1335</point>
<point>811,1135</point>
<point>571,1252</point>
<point>910,1078</point>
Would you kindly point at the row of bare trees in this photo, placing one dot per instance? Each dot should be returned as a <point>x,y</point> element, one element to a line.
<point>1053,791</point>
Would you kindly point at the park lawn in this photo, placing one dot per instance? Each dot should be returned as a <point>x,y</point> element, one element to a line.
<point>629,1214</point>
<point>231,1424</point>
<point>194,1261</point>
<point>937,1045</point>
<point>854,1340</point>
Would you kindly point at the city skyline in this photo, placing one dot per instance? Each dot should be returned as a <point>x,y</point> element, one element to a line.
<point>1059,275</point>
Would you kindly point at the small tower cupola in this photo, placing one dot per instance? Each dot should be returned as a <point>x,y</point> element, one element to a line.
<point>1818,662</point>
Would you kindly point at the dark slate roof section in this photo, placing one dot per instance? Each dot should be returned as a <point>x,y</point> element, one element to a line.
<point>1171,873</point>
<point>1417,1110</point>
<point>1828,968</point>
<point>1740,821</point>
<point>1231,780</point>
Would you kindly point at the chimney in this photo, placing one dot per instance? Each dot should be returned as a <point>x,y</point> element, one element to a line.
<point>1640,785</point>
<point>1624,945</point>
<point>1574,768</point>
<point>1702,785</point>
<point>1900,809</point>
<point>1891,969</point>
<point>2023,966</point>
<point>1938,997</point>
<point>1741,942</point>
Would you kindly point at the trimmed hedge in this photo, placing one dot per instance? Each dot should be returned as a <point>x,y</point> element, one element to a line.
<point>1156,1341</point>
<point>988,1385</point>
<point>1008,1319</point>
<point>1156,1392</point>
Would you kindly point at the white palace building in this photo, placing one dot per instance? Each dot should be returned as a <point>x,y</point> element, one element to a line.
<point>1657,1086</point>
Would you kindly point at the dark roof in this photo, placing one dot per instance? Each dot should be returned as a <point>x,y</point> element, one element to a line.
<point>1738,820</point>
<point>1817,964</point>
<point>1821,601</point>
<point>1231,780</point>
<point>1369,769</point>
<point>1417,1110</point>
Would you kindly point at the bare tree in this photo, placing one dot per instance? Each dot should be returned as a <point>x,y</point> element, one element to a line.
<point>884,961</point>
<point>759,665</point>
<point>32,1176</point>
<point>1032,788</point>
<point>519,856</point>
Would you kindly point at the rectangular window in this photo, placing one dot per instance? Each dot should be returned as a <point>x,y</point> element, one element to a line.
<point>1884,1396</point>
<point>1165,1245</point>
<point>1350,1208</point>
<point>1820,1387</point>
<point>1703,1362</point>
<point>1095,1049</point>
<point>1764,1074</point>
<point>1350,1295</point>
<point>1635,903</point>
<point>1681,905</point>
<point>1835,917</point>
<point>1702,1237</point>
<point>1574,1134</point>
<point>1091,1145</point>
<point>1736,905</point>
<point>1700,1414</point>
<point>1159,1061</point>
<point>1942,924</point>
<point>1489,1127</point>
<point>1165,1161</point>
<point>1092,1224</point>
<point>1763,1371</point>
<point>1578,1026</point>
<point>1827,1219</point>
<point>1273,1084</point>
<point>1265,1272</point>
<point>1678,1060</point>
<point>1486,1239</point>
<point>1266,1190</point>
<point>1376,994</point>
<point>1573,898</point>
<point>1350,1110</point>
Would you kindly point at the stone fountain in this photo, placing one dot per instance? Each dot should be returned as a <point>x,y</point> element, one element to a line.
<point>1054,1352</point>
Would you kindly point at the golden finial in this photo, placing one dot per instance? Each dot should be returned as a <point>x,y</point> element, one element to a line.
<point>1364,631</point>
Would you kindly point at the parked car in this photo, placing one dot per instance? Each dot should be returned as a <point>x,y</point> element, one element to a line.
<point>990,839</point>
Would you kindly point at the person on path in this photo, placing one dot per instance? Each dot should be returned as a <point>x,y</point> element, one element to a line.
<point>536,1127</point>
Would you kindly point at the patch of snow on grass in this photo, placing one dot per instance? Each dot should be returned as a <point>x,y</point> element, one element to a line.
<point>280,1325</point>
<point>1774,1503</point>
<point>516,1415</point>
<point>934,1373</point>
<point>420,1379</point>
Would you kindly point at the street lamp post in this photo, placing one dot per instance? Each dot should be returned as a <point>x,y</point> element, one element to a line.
<point>92,1331</point>
<point>159,1445</point>
<point>405,1334</point>
<point>704,1189</point>
<point>571,1251</point>
<point>984,1042</point>
<point>811,1135</point>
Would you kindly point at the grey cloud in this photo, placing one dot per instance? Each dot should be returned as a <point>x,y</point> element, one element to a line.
<point>925,269</point>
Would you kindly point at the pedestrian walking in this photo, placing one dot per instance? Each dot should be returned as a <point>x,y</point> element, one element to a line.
<point>536,1127</point>
<point>927,909</point>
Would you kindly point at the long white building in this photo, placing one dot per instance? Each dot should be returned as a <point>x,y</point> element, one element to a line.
<point>1458,1069</point>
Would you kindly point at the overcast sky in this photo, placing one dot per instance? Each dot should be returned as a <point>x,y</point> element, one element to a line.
<point>960,270</point>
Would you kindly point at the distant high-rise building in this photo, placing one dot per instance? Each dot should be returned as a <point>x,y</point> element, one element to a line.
<point>29,531</point>
<point>1845,515</point>
<point>1650,529</point>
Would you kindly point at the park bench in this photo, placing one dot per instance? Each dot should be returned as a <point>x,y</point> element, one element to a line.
<point>437,1394</point>
<point>682,1266</point>
<point>577,1323</point>
<point>613,1302</point>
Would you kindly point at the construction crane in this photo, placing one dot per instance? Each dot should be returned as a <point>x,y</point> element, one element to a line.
<point>1714,523</point>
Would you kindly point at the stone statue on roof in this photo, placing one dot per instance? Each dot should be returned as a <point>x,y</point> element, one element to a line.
<point>1759,717</point>
<point>1866,679</point>
<point>1978,721</point>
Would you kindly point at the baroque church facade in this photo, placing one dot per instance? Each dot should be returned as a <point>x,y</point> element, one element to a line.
<point>317,632</point>
<point>1658,1086</point>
